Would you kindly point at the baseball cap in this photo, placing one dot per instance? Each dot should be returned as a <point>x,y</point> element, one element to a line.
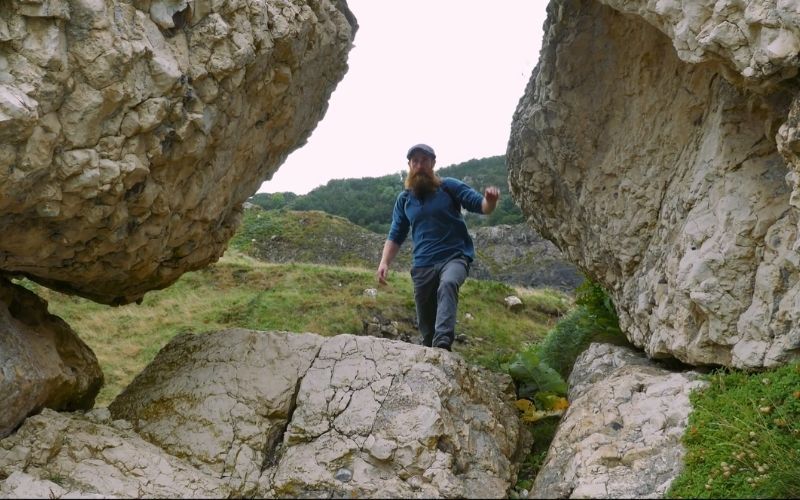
<point>421,147</point>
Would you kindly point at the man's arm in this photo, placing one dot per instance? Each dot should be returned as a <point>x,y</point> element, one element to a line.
<point>490,197</point>
<point>390,249</point>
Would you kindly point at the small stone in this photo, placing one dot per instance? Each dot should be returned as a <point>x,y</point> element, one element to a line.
<point>344,475</point>
<point>513,302</point>
<point>99,415</point>
<point>122,424</point>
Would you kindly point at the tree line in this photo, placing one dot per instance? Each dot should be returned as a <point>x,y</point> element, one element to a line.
<point>368,201</point>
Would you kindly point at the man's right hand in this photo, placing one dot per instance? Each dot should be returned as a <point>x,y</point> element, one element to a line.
<point>390,249</point>
<point>383,273</point>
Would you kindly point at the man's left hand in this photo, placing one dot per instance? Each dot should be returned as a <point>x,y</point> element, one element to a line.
<point>490,196</point>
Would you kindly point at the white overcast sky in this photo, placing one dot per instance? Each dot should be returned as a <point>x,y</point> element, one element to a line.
<point>448,73</point>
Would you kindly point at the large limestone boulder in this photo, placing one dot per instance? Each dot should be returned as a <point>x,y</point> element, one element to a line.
<point>297,415</point>
<point>132,131</point>
<point>620,437</point>
<point>43,363</point>
<point>652,145</point>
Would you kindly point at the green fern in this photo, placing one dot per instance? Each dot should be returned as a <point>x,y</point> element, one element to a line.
<point>531,375</point>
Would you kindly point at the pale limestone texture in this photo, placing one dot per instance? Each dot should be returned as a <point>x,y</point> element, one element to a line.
<point>620,437</point>
<point>378,418</point>
<point>43,363</point>
<point>662,179</point>
<point>221,401</point>
<point>91,456</point>
<point>757,39</point>
<point>132,131</point>
<point>297,415</point>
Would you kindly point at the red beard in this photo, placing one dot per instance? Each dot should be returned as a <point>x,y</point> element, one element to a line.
<point>422,182</point>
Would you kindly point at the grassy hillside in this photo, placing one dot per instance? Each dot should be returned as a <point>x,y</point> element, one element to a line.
<point>516,255</point>
<point>239,291</point>
<point>744,434</point>
<point>313,237</point>
<point>368,201</point>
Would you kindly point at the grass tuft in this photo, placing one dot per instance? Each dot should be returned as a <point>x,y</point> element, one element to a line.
<point>743,437</point>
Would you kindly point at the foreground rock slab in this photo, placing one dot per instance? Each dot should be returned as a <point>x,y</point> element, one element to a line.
<point>620,437</point>
<point>74,455</point>
<point>43,363</point>
<point>298,415</point>
<point>131,132</point>
<point>222,401</point>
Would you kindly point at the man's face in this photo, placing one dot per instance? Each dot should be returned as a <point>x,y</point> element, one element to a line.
<point>420,161</point>
<point>421,178</point>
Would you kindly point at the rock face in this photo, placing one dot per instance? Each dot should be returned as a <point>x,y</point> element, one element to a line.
<point>298,415</point>
<point>655,144</point>
<point>132,131</point>
<point>620,437</point>
<point>43,363</point>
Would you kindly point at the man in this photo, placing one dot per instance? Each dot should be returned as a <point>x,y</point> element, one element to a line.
<point>431,207</point>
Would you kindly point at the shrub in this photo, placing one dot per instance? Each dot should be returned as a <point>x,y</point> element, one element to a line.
<point>593,320</point>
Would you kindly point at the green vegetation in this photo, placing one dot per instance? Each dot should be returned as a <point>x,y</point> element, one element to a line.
<point>311,237</point>
<point>544,366</point>
<point>593,320</point>
<point>239,291</point>
<point>539,370</point>
<point>743,439</point>
<point>369,201</point>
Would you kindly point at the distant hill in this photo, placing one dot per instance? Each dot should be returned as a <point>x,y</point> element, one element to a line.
<point>312,237</point>
<point>368,201</point>
<point>515,255</point>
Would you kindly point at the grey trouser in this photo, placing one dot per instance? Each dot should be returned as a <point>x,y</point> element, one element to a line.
<point>436,297</point>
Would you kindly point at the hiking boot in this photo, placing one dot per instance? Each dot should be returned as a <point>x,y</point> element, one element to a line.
<point>443,345</point>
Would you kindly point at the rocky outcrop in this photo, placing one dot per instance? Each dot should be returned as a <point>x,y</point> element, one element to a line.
<point>132,131</point>
<point>43,363</point>
<point>620,437</point>
<point>518,255</point>
<point>298,415</point>
<point>655,146</point>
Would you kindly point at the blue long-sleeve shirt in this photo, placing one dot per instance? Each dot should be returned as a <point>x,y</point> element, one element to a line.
<point>437,227</point>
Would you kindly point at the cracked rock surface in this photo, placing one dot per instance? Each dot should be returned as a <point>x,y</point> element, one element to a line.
<point>277,414</point>
<point>73,455</point>
<point>658,149</point>
<point>132,131</point>
<point>379,418</point>
<point>620,437</point>
<point>221,401</point>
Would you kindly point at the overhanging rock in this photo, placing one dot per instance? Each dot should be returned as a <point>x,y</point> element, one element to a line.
<point>131,132</point>
<point>655,146</point>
